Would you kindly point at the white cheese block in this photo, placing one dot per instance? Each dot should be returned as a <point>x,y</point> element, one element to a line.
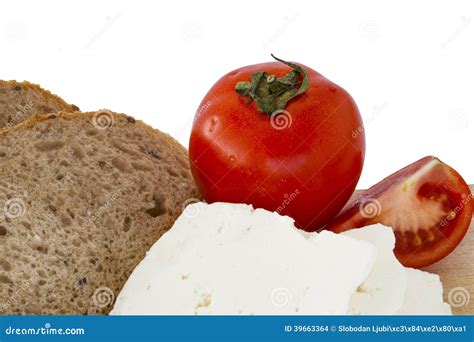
<point>391,288</point>
<point>231,259</point>
<point>382,293</point>
<point>424,295</point>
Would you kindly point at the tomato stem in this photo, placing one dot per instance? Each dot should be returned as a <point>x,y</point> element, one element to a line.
<point>272,93</point>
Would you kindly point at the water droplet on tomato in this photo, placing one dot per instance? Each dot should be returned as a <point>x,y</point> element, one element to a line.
<point>232,158</point>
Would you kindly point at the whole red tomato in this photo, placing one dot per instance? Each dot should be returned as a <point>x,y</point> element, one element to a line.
<point>279,136</point>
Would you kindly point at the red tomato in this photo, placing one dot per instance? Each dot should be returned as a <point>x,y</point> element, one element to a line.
<point>302,160</point>
<point>426,203</point>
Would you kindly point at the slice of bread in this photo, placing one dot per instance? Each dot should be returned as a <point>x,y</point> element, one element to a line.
<point>82,198</point>
<point>20,100</point>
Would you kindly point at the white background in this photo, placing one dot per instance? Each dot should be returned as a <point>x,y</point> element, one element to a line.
<point>409,65</point>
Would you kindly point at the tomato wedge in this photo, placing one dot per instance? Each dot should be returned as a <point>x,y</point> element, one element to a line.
<point>427,204</point>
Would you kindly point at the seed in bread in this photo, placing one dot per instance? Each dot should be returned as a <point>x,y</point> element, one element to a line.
<point>83,196</point>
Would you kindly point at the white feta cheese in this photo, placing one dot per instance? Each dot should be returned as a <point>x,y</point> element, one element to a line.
<point>391,288</point>
<point>382,293</point>
<point>424,295</point>
<point>232,259</point>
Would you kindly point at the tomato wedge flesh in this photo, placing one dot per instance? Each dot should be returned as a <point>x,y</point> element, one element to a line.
<point>427,204</point>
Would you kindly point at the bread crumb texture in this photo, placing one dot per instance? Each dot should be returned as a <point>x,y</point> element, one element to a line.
<point>83,197</point>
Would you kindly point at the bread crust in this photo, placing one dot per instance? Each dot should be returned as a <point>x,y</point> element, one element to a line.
<point>47,99</point>
<point>33,120</point>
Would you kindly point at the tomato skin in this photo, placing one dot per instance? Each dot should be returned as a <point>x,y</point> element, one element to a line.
<point>307,170</point>
<point>437,240</point>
